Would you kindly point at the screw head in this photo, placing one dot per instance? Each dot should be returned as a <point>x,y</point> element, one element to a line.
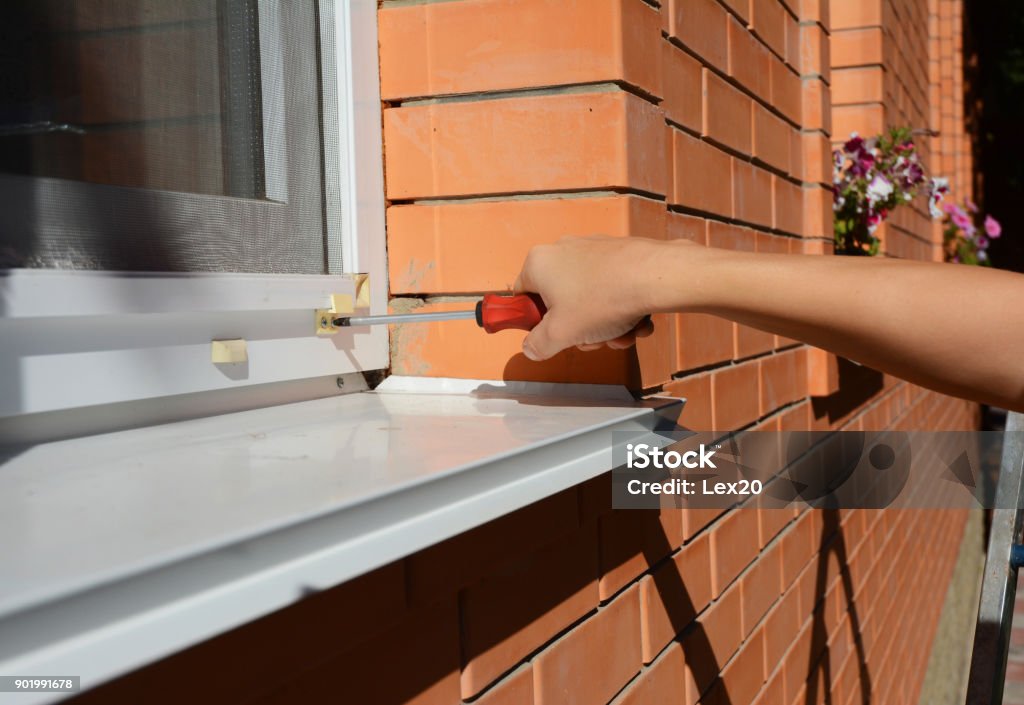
<point>340,381</point>
<point>323,322</point>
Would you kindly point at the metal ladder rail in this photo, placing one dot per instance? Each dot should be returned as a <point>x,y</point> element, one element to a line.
<point>999,584</point>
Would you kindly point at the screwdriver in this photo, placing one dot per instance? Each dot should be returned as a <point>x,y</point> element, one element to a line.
<point>493,312</point>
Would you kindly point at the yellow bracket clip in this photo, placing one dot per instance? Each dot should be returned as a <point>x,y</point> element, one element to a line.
<point>343,305</point>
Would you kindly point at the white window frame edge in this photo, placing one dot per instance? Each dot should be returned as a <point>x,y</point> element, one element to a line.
<point>89,306</point>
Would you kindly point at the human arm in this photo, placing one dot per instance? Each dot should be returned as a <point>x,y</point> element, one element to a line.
<point>955,329</point>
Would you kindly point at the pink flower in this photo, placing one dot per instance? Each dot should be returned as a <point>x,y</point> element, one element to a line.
<point>992,227</point>
<point>970,205</point>
<point>981,241</point>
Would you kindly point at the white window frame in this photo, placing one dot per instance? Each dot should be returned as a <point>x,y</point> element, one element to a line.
<point>78,339</point>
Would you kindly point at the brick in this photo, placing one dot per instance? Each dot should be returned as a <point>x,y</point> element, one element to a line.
<point>818,215</point>
<point>702,340</point>
<point>727,236</point>
<point>656,353</point>
<point>441,569</point>
<point>683,90</point>
<point>554,142</point>
<point>768,21</point>
<point>797,546</point>
<point>814,57</point>
<point>488,45</point>
<point>700,25</point>
<point>785,90</point>
<point>633,540</point>
<point>772,139</point>
<point>848,15</point>
<point>816,105</point>
<point>510,613</point>
<point>727,114</point>
<point>792,57</point>
<point>664,683</point>
<point>760,588</point>
<point>734,394</point>
<point>771,521</point>
<point>816,150</point>
<point>774,690</point>
<point>783,379</point>
<point>591,663</point>
<point>781,625</point>
<point>733,546</point>
<point>438,247</point>
<point>822,373</point>
<point>814,11</point>
<point>422,666</point>
<point>700,175</point>
<point>680,226</point>
<point>673,595</point>
<point>864,84</point>
<point>748,342</point>
<point>772,244</point>
<point>752,194</point>
<point>740,7</point>
<point>514,689</point>
<point>744,675</point>
<point>788,210</point>
<point>749,61</point>
<point>696,520</point>
<point>696,389</point>
<point>856,47</point>
<point>796,418</point>
<point>709,646</point>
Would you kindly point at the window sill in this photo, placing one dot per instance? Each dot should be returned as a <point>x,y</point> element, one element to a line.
<point>122,548</point>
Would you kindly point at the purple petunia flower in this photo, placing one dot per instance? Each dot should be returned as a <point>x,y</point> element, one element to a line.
<point>879,189</point>
<point>992,227</point>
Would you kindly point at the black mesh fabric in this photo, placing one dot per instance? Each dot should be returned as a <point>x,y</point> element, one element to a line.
<point>161,135</point>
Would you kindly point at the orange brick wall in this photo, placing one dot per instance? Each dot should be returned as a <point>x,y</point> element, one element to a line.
<point>514,122</point>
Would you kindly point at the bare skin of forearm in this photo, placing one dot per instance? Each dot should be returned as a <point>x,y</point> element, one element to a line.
<point>953,328</point>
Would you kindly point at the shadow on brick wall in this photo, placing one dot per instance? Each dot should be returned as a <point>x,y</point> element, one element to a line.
<point>820,669</point>
<point>857,385</point>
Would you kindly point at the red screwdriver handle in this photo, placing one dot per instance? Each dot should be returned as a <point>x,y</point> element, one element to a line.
<point>520,312</point>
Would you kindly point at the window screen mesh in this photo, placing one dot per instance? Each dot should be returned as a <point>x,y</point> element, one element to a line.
<point>161,135</point>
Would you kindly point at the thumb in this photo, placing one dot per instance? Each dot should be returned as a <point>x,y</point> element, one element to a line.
<point>547,339</point>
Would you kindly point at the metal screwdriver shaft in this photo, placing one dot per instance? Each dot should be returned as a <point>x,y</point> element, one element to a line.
<point>405,318</point>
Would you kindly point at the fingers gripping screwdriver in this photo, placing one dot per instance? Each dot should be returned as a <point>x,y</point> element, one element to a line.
<point>493,312</point>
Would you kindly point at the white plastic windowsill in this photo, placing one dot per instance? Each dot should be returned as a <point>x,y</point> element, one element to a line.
<point>121,548</point>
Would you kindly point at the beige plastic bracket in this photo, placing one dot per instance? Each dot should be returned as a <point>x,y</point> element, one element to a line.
<point>362,290</point>
<point>228,351</point>
<point>341,305</point>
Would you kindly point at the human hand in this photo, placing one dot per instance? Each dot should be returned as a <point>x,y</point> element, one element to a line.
<point>595,289</point>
